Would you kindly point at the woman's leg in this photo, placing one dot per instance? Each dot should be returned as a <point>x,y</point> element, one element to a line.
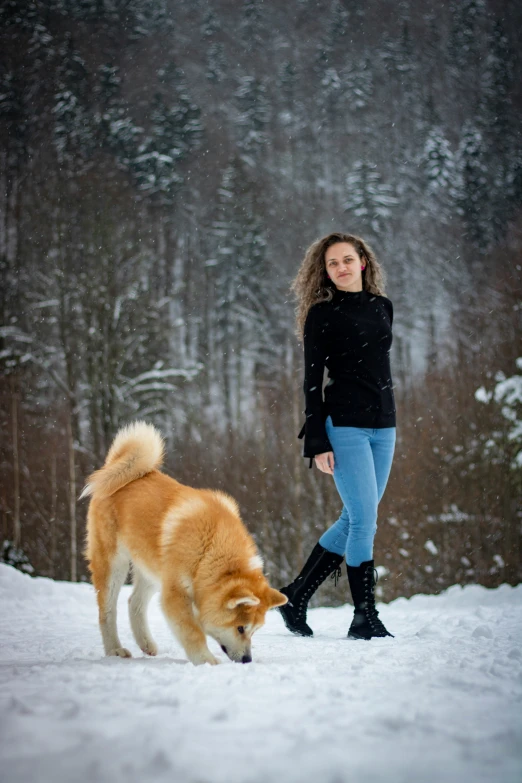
<point>383,447</point>
<point>334,539</point>
<point>355,479</point>
<point>356,482</point>
<point>363,460</point>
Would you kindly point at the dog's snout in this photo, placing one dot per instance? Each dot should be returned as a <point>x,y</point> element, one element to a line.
<point>224,649</point>
<point>246,659</point>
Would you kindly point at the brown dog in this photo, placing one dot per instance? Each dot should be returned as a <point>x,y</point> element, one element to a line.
<point>189,543</point>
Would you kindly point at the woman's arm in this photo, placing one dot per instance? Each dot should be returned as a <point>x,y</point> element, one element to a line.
<point>316,439</point>
<point>389,308</point>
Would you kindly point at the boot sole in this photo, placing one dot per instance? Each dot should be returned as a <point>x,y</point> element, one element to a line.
<point>352,635</point>
<point>294,630</point>
<point>298,633</point>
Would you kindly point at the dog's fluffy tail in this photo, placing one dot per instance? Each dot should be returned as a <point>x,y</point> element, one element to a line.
<point>136,450</point>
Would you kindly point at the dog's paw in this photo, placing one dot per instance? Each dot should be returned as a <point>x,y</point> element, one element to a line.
<point>150,648</point>
<point>121,652</point>
<point>212,660</point>
<point>204,657</point>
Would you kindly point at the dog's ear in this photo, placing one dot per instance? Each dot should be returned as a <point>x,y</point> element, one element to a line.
<point>275,598</point>
<point>242,597</point>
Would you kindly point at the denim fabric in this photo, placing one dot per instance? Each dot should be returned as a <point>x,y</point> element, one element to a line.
<point>363,459</point>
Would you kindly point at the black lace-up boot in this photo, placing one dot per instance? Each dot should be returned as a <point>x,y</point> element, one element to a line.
<point>365,623</point>
<point>317,568</point>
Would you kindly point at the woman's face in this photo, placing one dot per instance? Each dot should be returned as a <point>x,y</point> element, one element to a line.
<point>343,266</point>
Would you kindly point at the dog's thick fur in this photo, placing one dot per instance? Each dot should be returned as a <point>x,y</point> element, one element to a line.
<point>189,543</point>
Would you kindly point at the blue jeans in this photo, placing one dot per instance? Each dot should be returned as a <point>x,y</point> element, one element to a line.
<point>363,459</point>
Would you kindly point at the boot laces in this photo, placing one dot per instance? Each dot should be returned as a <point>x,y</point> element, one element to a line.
<point>370,609</point>
<point>302,604</point>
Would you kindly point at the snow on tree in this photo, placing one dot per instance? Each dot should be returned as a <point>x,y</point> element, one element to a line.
<point>506,395</point>
<point>473,183</point>
<point>331,82</point>
<point>16,557</point>
<point>211,24</point>
<point>441,176</point>
<point>241,326</point>
<point>369,200</point>
<point>109,82</point>
<point>464,40</point>
<point>439,161</point>
<point>73,131</point>
<point>358,82</point>
<point>500,126</point>
<point>72,135</point>
<point>252,22</point>
<point>253,115</point>
<point>143,17</point>
<point>175,130</point>
<point>336,34</point>
<point>216,62</point>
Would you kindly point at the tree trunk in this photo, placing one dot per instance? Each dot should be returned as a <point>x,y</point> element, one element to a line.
<point>17,530</point>
<point>72,497</point>
<point>297,420</point>
<point>52,521</point>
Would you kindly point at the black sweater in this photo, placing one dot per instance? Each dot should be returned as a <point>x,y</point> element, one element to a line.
<point>351,335</point>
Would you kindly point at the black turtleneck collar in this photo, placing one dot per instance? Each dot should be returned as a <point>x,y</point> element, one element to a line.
<point>342,296</point>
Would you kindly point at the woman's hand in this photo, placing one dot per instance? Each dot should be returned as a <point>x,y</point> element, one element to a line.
<point>325,462</point>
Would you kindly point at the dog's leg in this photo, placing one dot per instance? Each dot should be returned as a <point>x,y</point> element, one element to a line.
<point>177,606</point>
<point>108,577</point>
<point>143,591</point>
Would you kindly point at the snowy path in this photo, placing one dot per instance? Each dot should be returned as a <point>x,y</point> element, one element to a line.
<point>440,702</point>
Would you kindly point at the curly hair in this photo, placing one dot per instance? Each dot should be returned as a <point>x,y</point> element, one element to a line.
<point>312,284</point>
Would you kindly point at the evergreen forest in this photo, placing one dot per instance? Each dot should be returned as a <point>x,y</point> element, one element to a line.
<point>164,165</point>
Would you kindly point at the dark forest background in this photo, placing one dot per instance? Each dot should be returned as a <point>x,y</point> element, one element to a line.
<point>164,164</point>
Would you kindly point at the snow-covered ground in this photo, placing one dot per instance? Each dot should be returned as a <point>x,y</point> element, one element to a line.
<point>440,702</point>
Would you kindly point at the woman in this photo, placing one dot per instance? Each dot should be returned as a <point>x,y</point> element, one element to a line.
<point>345,321</point>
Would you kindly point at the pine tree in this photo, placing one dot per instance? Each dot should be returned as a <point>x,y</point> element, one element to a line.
<point>116,129</point>
<point>240,322</point>
<point>334,38</point>
<point>464,41</point>
<point>287,78</point>
<point>500,126</point>
<point>253,114</point>
<point>368,198</point>
<point>175,131</point>
<point>358,83</point>
<point>216,62</point>
<point>252,23</point>
<point>440,173</point>
<point>13,114</point>
<point>109,83</point>
<point>473,194</point>
<point>211,24</point>
<point>73,127</point>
